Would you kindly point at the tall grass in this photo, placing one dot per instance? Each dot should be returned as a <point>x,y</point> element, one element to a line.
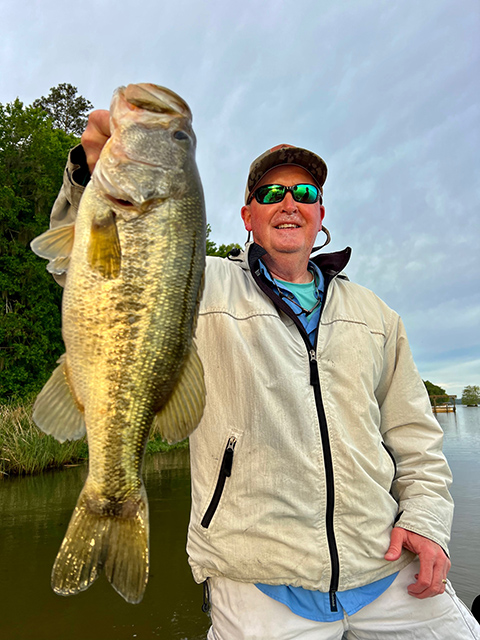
<point>25,449</point>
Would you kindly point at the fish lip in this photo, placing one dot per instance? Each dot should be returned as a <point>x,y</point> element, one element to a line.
<point>157,99</point>
<point>121,205</point>
<point>119,202</point>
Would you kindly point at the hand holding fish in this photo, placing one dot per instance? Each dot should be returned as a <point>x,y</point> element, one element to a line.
<point>95,136</point>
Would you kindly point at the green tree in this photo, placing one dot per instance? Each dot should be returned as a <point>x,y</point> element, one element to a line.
<point>32,157</point>
<point>223,250</point>
<point>471,395</point>
<point>66,110</point>
<point>434,390</point>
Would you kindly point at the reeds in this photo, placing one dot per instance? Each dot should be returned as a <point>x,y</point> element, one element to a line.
<point>25,449</point>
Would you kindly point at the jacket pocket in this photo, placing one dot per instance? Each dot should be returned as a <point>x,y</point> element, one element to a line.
<point>391,458</point>
<point>394,469</point>
<point>225,472</point>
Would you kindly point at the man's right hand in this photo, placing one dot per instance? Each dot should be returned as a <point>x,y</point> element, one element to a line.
<point>95,136</point>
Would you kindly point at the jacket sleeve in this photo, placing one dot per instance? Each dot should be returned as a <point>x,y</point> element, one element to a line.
<point>65,207</point>
<point>414,438</point>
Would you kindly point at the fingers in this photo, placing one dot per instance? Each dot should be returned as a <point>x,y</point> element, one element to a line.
<point>95,136</point>
<point>429,582</point>
<point>434,563</point>
<point>397,539</point>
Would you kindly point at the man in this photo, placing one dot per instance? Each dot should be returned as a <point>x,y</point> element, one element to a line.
<point>320,499</point>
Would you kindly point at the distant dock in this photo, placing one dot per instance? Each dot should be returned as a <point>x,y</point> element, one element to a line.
<point>444,407</point>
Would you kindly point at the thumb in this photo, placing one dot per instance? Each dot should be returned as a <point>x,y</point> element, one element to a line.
<point>396,544</point>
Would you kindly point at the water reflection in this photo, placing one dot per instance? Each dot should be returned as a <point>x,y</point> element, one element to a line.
<point>34,513</point>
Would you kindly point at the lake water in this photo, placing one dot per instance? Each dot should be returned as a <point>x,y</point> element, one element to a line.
<point>462,448</point>
<point>34,513</point>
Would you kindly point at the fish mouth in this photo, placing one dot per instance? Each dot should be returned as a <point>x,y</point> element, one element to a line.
<point>152,97</point>
<point>119,202</point>
<point>140,206</point>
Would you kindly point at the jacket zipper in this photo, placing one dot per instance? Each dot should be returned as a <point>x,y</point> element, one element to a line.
<point>327,457</point>
<point>327,453</point>
<point>329,478</point>
<point>225,472</point>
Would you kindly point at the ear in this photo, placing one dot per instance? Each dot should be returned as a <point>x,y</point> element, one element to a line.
<point>246,217</point>
<point>322,215</point>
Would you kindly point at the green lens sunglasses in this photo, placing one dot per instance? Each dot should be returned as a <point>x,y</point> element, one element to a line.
<point>273,193</point>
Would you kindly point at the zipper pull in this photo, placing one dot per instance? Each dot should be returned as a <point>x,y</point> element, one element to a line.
<point>314,379</point>
<point>228,456</point>
<point>206,606</point>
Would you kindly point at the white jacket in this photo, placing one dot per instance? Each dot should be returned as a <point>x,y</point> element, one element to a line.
<point>303,461</point>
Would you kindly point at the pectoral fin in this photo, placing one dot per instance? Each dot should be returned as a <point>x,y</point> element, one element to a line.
<point>55,245</point>
<point>56,411</point>
<point>104,253</point>
<point>184,409</point>
<point>58,266</point>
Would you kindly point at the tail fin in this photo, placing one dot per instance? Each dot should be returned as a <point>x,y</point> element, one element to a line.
<point>95,541</point>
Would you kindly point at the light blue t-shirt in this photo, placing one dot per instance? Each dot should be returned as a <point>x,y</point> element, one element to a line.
<point>310,294</point>
<point>315,605</point>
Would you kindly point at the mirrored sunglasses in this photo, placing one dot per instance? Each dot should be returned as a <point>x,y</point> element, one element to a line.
<point>273,193</point>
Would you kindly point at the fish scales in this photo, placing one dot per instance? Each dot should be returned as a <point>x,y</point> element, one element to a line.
<point>129,310</point>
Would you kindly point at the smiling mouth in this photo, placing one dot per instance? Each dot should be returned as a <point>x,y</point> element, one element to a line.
<point>288,226</point>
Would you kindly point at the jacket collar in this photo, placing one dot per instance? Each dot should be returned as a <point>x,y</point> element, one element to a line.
<point>330,264</point>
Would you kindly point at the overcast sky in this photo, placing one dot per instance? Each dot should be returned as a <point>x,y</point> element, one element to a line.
<point>386,91</point>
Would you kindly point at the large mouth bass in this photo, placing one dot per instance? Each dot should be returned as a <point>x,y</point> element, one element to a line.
<point>134,260</point>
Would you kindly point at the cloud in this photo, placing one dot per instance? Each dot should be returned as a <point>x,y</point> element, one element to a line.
<point>386,92</point>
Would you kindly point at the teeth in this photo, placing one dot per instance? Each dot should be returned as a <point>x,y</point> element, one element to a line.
<point>287,226</point>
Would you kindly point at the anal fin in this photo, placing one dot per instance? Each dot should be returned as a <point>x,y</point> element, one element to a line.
<point>180,416</point>
<point>56,411</point>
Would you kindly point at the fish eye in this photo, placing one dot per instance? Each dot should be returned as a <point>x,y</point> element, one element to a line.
<point>181,135</point>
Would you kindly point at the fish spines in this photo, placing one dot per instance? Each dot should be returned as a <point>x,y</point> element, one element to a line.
<point>99,539</point>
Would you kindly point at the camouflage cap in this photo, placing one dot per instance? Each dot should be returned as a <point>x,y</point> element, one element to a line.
<point>285,154</point>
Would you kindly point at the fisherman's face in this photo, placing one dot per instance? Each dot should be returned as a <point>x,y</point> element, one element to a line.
<point>286,227</point>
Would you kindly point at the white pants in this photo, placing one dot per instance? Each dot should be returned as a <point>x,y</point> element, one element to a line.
<point>242,612</point>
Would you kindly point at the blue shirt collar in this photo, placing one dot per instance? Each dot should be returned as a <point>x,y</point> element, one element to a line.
<point>317,275</point>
